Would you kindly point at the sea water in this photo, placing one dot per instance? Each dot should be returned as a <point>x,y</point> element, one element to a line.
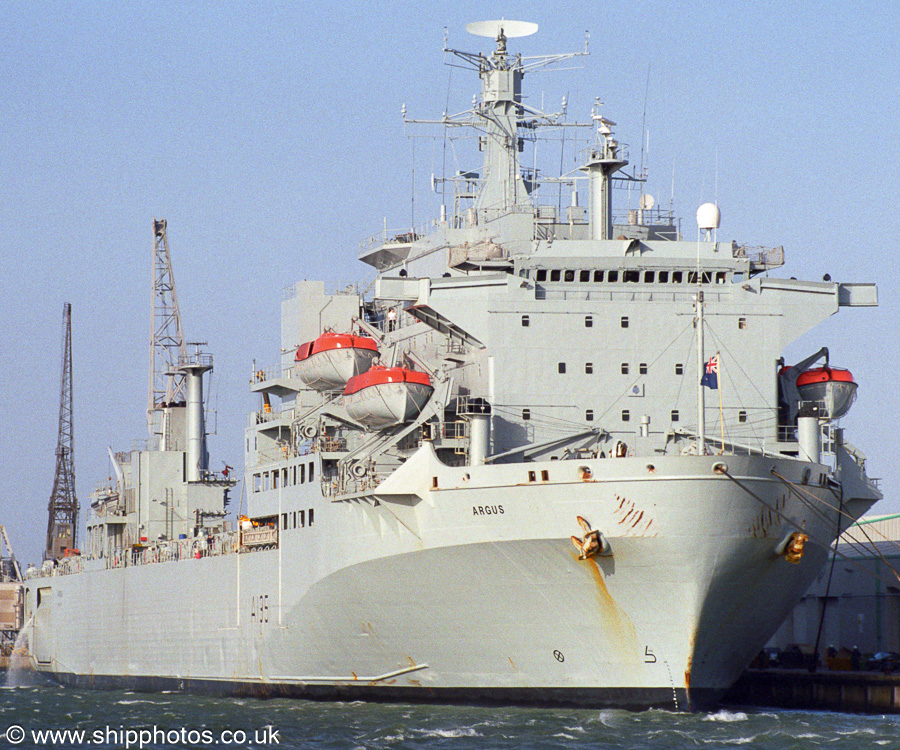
<point>47,716</point>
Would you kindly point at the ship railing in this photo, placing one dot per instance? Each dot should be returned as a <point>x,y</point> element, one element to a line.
<point>197,358</point>
<point>766,256</point>
<point>636,295</point>
<point>274,372</point>
<point>264,417</point>
<point>404,236</point>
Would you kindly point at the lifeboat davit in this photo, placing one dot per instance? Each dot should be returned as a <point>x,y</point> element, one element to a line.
<point>386,396</point>
<point>831,386</point>
<point>334,358</point>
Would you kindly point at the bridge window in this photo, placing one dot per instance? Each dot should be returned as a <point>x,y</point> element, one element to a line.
<point>570,276</point>
<point>526,414</point>
<point>742,416</point>
<point>555,274</point>
<point>584,276</point>
<point>642,368</point>
<point>541,275</point>
<point>598,275</point>
<point>677,277</point>
<point>631,277</point>
<point>649,277</point>
<point>612,276</point>
<point>663,277</point>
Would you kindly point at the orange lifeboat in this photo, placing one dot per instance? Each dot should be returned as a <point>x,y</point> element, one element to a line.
<point>831,386</point>
<point>386,396</point>
<point>334,358</point>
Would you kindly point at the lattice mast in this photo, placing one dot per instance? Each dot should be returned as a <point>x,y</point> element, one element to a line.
<point>63,507</point>
<point>167,383</point>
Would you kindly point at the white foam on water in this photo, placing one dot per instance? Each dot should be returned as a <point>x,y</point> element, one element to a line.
<point>727,716</point>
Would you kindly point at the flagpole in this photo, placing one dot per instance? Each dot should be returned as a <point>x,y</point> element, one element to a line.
<point>701,371</point>
<point>721,414</point>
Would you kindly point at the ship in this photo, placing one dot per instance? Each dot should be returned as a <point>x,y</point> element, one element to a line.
<point>554,454</point>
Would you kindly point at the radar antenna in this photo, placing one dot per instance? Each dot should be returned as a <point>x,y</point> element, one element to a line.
<point>63,507</point>
<point>167,383</point>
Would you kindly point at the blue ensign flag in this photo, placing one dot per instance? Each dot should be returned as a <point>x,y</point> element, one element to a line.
<point>711,377</point>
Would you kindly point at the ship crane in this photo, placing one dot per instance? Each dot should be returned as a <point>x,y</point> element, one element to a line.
<point>167,348</point>
<point>63,507</point>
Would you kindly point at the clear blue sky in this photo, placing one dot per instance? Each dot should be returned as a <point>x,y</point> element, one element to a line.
<point>269,135</point>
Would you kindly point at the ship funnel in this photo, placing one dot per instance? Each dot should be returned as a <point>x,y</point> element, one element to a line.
<point>193,366</point>
<point>478,412</point>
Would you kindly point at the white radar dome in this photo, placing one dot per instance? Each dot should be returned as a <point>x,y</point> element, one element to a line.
<point>708,216</point>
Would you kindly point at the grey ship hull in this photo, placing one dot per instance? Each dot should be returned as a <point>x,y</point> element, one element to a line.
<point>443,602</point>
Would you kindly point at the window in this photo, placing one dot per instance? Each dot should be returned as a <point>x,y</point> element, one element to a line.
<point>642,368</point>
<point>310,516</point>
<point>720,277</point>
<point>624,322</point>
<point>598,275</point>
<point>526,321</point>
<point>555,275</point>
<point>541,275</point>
<point>676,277</point>
<point>692,277</point>
<point>588,321</point>
<point>257,482</point>
<point>675,415</point>
<point>588,368</point>
<point>275,479</point>
<point>284,522</point>
<point>589,415</point>
<point>663,277</point>
<point>302,519</point>
<point>570,276</point>
<point>679,369</point>
<point>626,415</point>
<point>631,277</point>
<point>584,276</point>
<point>526,414</point>
<point>649,277</point>
<point>742,323</point>
<point>624,368</point>
<point>532,476</point>
<point>545,475</point>
<point>742,416</point>
<point>612,276</point>
<point>312,471</point>
<point>302,473</point>
<point>294,474</point>
<point>294,514</point>
<point>562,368</point>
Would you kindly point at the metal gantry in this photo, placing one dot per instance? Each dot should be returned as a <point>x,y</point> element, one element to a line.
<point>63,507</point>
<point>167,384</point>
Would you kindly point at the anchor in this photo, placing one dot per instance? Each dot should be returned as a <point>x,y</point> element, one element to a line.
<point>592,543</point>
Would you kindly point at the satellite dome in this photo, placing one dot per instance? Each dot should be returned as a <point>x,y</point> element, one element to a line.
<point>708,216</point>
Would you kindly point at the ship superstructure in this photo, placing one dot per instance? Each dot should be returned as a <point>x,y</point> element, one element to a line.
<point>499,476</point>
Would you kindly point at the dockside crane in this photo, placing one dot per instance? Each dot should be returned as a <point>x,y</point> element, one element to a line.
<point>62,524</point>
